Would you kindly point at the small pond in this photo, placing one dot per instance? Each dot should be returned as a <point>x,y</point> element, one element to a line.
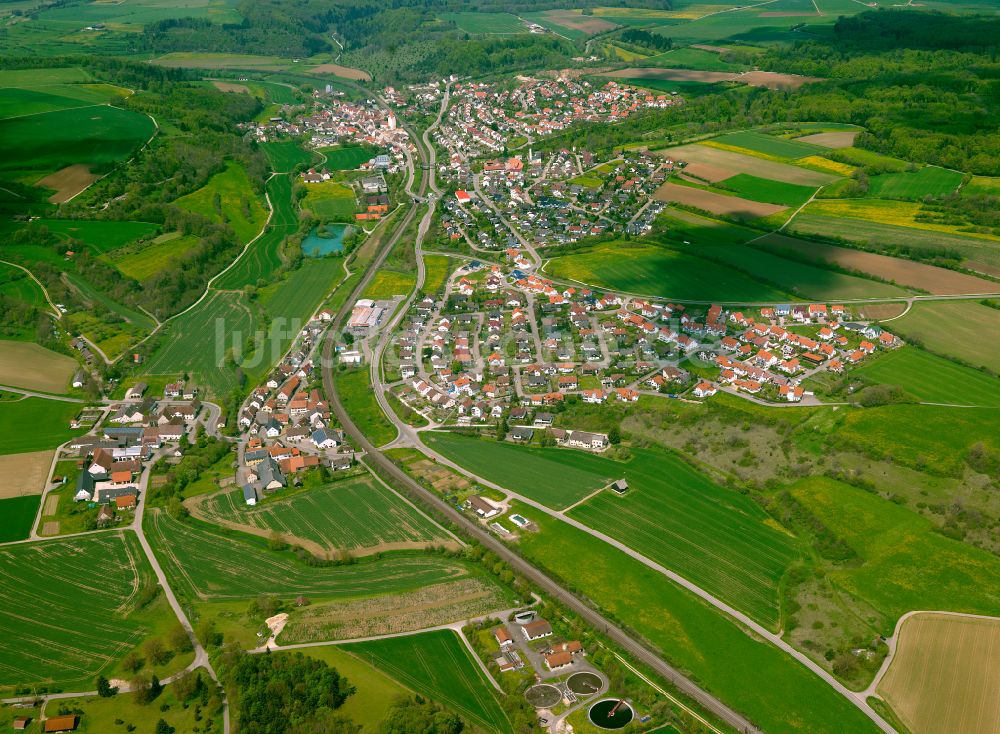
<point>325,240</point>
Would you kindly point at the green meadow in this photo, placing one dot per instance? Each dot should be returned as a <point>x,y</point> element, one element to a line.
<point>100,236</point>
<point>355,390</point>
<point>933,379</point>
<point>964,329</point>
<point>786,698</point>
<point>769,145</point>
<point>97,136</point>
<point>489,23</point>
<point>284,155</point>
<point>154,257</point>
<point>346,157</point>
<point>35,424</point>
<point>439,666</point>
<point>228,197</point>
<point>926,181</point>
<point>18,515</point>
<point>765,189</point>
<point>330,201</point>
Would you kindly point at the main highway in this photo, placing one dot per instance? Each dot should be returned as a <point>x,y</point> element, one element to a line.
<point>401,480</point>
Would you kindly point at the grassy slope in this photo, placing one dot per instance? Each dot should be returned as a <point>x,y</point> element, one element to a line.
<point>34,424</point>
<point>233,187</point>
<point>964,329</point>
<point>933,379</point>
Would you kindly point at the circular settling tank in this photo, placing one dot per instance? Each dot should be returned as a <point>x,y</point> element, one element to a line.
<point>543,696</point>
<point>584,684</point>
<point>610,714</point>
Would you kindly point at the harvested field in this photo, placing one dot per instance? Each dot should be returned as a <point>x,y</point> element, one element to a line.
<point>345,72</point>
<point>730,206</point>
<point>839,139</point>
<point>22,474</point>
<point>742,163</point>
<point>934,280</point>
<point>708,172</point>
<point>50,528</point>
<point>881,311</point>
<point>231,87</point>
<point>51,505</point>
<point>769,79</point>
<point>571,23</point>
<point>33,367</point>
<point>944,677</point>
<point>68,182</point>
<point>430,606</point>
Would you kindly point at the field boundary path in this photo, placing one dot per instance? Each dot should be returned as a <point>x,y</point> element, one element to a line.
<point>594,618</point>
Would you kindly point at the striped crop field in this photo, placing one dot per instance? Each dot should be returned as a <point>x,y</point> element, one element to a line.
<point>65,607</point>
<point>208,564</point>
<point>356,513</point>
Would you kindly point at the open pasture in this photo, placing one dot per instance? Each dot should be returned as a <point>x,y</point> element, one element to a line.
<point>764,189</point>
<point>721,204</point>
<point>285,155</point>
<point>88,588</point>
<point>34,78</point>
<point>389,283</point>
<point>944,676</point>
<point>933,379</point>
<point>155,257</point>
<point>740,163</point>
<point>99,235</point>
<point>330,201</point>
<point>932,439</point>
<point>33,367</point>
<point>357,514</point>
<point>437,268</point>
<point>355,388</point>
<point>662,272</point>
<point>913,186</point>
<point>935,280</point>
<point>199,341</point>
<point>785,697</point>
<point>228,198</point>
<point>96,136</point>
<point>486,23</point>
<point>554,477</point>
<point>694,58</point>
<point>769,145</point>
<point>713,536</point>
<point>891,542</point>
<point>964,329</point>
<point>439,666</point>
<point>209,564</point>
<point>346,157</point>
<point>17,515</point>
<point>48,421</point>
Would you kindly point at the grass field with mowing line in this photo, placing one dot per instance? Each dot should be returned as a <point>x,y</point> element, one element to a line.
<point>355,514</point>
<point>355,389</point>
<point>155,257</point>
<point>347,157</point>
<point>933,652</point>
<point>209,564</point>
<point>439,666</point>
<point>96,578</point>
<point>96,136</point>
<point>862,158</point>
<point>238,204</point>
<point>656,271</point>
<point>785,698</point>
<point>555,477</point>
<point>933,379</point>
<point>892,542</point>
<point>18,515</point>
<point>713,536</point>
<point>48,419</point>
<point>764,189</point>
<point>488,23</point>
<point>330,201</point>
<point>34,78</point>
<point>285,155</point>
<point>684,226</point>
<point>17,102</point>
<point>928,181</point>
<point>777,147</point>
<point>964,329</point>
<point>100,236</point>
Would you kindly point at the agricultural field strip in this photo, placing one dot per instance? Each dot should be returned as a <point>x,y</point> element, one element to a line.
<point>214,566</point>
<point>727,610</point>
<point>348,514</point>
<point>83,584</point>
